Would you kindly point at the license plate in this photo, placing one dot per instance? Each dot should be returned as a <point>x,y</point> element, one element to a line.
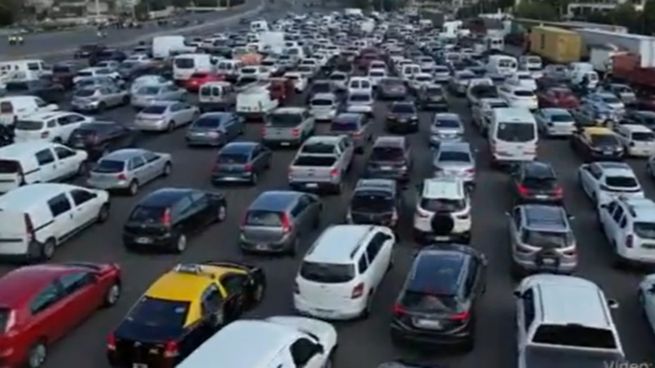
<point>441,238</point>
<point>607,153</point>
<point>549,262</point>
<point>426,323</point>
<point>261,247</point>
<point>311,185</point>
<point>139,365</point>
<point>285,143</point>
<point>541,196</point>
<point>386,168</point>
<point>143,240</point>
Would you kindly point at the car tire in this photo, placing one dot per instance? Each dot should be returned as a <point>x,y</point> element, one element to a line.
<point>369,306</point>
<point>133,189</point>
<point>293,249</point>
<point>171,126</point>
<point>166,171</point>
<point>221,213</point>
<point>103,214</point>
<point>47,250</point>
<point>113,294</point>
<point>37,355</point>
<point>101,107</point>
<point>180,244</point>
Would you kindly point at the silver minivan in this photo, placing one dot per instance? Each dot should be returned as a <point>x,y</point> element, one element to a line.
<point>287,126</point>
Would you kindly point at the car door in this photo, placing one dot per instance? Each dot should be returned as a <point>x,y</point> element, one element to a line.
<point>378,261</point>
<point>63,218</point>
<point>81,296</point>
<point>86,207</point>
<point>137,167</point>
<point>300,216</point>
<point>47,315</point>
<point>515,227</point>
<point>66,161</point>
<point>204,212</point>
<point>183,215</point>
<point>70,123</point>
<point>525,315</point>
<point>155,164</point>
<point>237,125</point>
<point>48,165</point>
<point>587,178</point>
<point>612,225</point>
<point>176,114</point>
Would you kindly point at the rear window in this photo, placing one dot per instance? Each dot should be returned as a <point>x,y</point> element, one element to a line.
<point>387,154</point>
<point>17,86</point>
<point>547,239</point>
<point>359,97</point>
<point>442,204</point>
<point>447,123</point>
<point>9,167</point>
<point>159,313</point>
<point>232,158</point>
<point>328,273</point>
<point>146,214</point>
<point>285,120</point>
<point>606,140</point>
<point>61,69</point>
<point>109,166</point>
<point>318,148</point>
<point>403,109</point>
<point>574,335</point>
<point>148,90</point>
<point>322,102</point>
<point>621,181</point>
<point>523,93</point>
<point>454,156</point>
<point>643,136</point>
<point>85,93</point>
<point>29,125</point>
<point>344,126</point>
<point>314,160</point>
<point>423,301</point>
<point>263,218</point>
<point>515,132</point>
<point>207,122</point>
<point>561,118</point>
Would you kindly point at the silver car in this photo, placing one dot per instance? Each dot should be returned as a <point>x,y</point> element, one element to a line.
<point>446,127</point>
<point>324,106</point>
<point>455,159</point>
<point>145,95</point>
<point>96,82</point>
<point>339,80</point>
<point>541,239</point>
<point>148,80</point>
<point>165,116</point>
<point>128,169</point>
<point>100,98</point>
<point>288,126</point>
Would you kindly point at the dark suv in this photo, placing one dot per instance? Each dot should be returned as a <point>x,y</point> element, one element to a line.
<point>536,182</point>
<point>402,118</point>
<point>102,137</point>
<point>375,202</point>
<point>390,159</point>
<point>436,305</point>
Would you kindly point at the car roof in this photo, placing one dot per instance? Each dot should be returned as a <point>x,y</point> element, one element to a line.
<point>338,244</point>
<point>124,154</point>
<point>443,188</point>
<point>217,115</point>
<point>162,103</point>
<point>455,147</point>
<point>550,111</point>
<point>164,197</point>
<point>28,196</point>
<point>538,169</point>
<point>572,300</point>
<point>46,115</point>
<point>178,285</point>
<point>289,110</point>
<point>274,200</point>
<point>643,208</point>
<point>614,167</point>
<point>20,149</point>
<point>447,116</point>
<point>402,103</point>
<point>324,96</point>
<point>239,147</point>
<point>348,117</point>
<point>23,282</point>
<point>437,271</point>
<point>376,184</point>
<point>544,217</point>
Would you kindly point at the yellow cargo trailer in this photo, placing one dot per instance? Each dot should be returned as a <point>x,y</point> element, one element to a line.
<point>557,45</point>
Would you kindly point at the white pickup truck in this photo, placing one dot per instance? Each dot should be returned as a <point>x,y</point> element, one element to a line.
<point>322,163</point>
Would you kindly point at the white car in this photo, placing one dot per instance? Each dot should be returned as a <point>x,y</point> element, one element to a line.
<point>165,116</point>
<point>629,226</point>
<point>646,295</point>
<point>355,259</point>
<point>360,85</point>
<point>524,79</point>
<point>601,181</point>
<point>339,80</point>
<point>442,200</point>
<point>420,80</point>
<point>638,140</point>
<point>460,81</point>
<point>360,102</point>
<point>147,80</point>
<point>55,126</point>
<point>298,79</point>
<point>96,72</point>
<point>518,96</point>
<point>376,75</point>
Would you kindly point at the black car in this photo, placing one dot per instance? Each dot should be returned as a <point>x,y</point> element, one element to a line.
<point>107,55</point>
<point>640,117</point>
<point>101,137</point>
<point>432,97</point>
<point>437,303</point>
<point>376,202</point>
<point>402,118</point>
<point>166,217</point>
<point>48,90</point>
<point>390,159</point>
<point>87,51</point>
<point>597,146</point>
<point>536,182</point>
<point>241,162</point>
<point>64,72</point>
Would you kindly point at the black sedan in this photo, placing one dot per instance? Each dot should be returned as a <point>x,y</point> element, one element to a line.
<point>241,162</point>
<point>165,218</point>
<point>536,182</point>
<point>48,90</point>
<point>402,118</point>
<point>102,137</point>
<point>437,303</point>
<point>376,202</point>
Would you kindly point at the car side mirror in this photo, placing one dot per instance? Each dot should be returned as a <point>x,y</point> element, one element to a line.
<point>612,304</point>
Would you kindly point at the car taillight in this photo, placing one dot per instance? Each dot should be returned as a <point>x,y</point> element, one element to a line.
<point>356,134</point>
<point>45,134</point>
<point>111,342</point>
<point>470,171</point>
<point>461,317</point>
<point>247,167</point>
<point>334,172</point>
<point>171,349</point>
<point>263,130</point>
<point>571,253</point>
<point>29,227</point>
<point>93,138</point>
<point>523,190</point>
<point>358,291</point>
<point>167,219</point>
<point>286,224</point>
<point>629,241</point>
<point>398,310</point>
<point>121,176</point>
<point>559,191</point>
<point>295,132</point>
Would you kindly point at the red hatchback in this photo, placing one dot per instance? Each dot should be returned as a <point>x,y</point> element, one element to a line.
<point>42,303</point>
<point>561,97</point>
<point>198,79</point>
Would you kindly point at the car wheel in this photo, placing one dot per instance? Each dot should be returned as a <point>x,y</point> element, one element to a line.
<point>293,249</point>
<point>133,189</point>
<point>48,249</point>
<point>37,355</point>
<point>103,214</point>
<point>180,244</point>
<point>113,294</point>
<point>166,171</point>
<point>369,305</point>
<point>221,214</point>
<point>171,126</point>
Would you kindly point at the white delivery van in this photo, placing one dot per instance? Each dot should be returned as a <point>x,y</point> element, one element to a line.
<point>164,47</point>
<point>494,43</point>
<point>259,26</point>
<point>185,65</point>
<point>502,65</point>
<point>229,68</point>
<point>271,42</point>
<point>255,102</point>
<point>408,71</point>
<point>14,108</point>
<point>27,69</point>
<point>512,135</point>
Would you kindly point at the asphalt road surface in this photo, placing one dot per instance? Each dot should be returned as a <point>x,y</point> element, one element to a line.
<point>49,43</point>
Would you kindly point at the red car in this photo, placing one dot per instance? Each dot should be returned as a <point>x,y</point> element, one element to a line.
<point>40,304</point>
<point>561,97</point>
<point>198,79</point>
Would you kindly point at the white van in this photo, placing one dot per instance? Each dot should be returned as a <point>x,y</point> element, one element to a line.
<point>255,102</point>
<point>512,135</point>
<point>55,126</point>
<point>502,65</point>
<point>164,47</point>
<point>229,68</point>
<point>38,162</point>
<point>274,342</point>
<point>408,71</point>
<point>342,271</point>
<point>23,69</point>
<point>494,43</point>
<point>14,108</point>
<point>186,65</point>
<point>35,219</point>
<point>259,26</point>
<point>360,85</point>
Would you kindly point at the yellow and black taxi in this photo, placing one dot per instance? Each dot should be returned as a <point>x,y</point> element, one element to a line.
<point>183,308</point>
<point>597,143</point>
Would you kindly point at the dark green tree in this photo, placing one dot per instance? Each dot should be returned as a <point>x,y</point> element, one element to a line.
<point>648,18</point>
<point>9,11</point>
<point>536,10</point>
<point>626,15</point>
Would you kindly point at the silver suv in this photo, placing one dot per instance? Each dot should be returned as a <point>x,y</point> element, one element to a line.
<point>542,240</point>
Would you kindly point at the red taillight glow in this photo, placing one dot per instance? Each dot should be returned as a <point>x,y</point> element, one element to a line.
<point>358,291</point>
<point>559,192</point>
<point>398,310</point>
<point>171,349</point>
<point>263,130</point>
<point>167,219</point>
<point>111,342</point>
<point>523,190</point>
<point>121,176</point>
<point>629,241</point>
<point>295,132</point>
<point>334,173</point>
<point>287,226</point>
<point>247,167</point>
<point>460,317</point>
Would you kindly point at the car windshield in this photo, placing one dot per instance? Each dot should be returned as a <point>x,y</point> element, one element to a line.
<point>60,69</point>
<point>386,153</point>
<point>442,204</point>
<point>515,132</point>
<point>184,63</point>
<point>285,120</point>
<point>321,102</point>
<point>109,166</point>
<point>454,156</point>
<point>207,122</point>
<point>29,125</point>
<point>403,109</point>
<point>447,123</point>
<point>148,91</point>
<point>611,100</point>
<point>263,218</point>
<point>372,201</point>
<point>328,273</point>
<point>232,158</point>
<point>85,93</point>
<point>321,88</point>
<point>359,97</point>
<point>643,136</point>
<point>148,214</point>
<point>428,302</point>
<point>621,182</point>
<point>318,148</point>
<point>338,77</point>
<point>561,118</point>
<point>604,140</point>
<point>154,109</point>
<point>434,92</point>
<point>159,313</point>
<point>523,93</point>
<point>645,230</point>
<point>546,239</point>
<point>344,126</point>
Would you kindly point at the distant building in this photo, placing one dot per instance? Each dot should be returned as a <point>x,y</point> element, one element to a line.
<point>582,7</point>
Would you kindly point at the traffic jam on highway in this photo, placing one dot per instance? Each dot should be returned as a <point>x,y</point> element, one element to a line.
<point>326,189</point>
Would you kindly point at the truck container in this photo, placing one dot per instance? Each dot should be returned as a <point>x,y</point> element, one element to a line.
<point>557,45</point>
<point>632,43</point>
<point>626,67</point>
